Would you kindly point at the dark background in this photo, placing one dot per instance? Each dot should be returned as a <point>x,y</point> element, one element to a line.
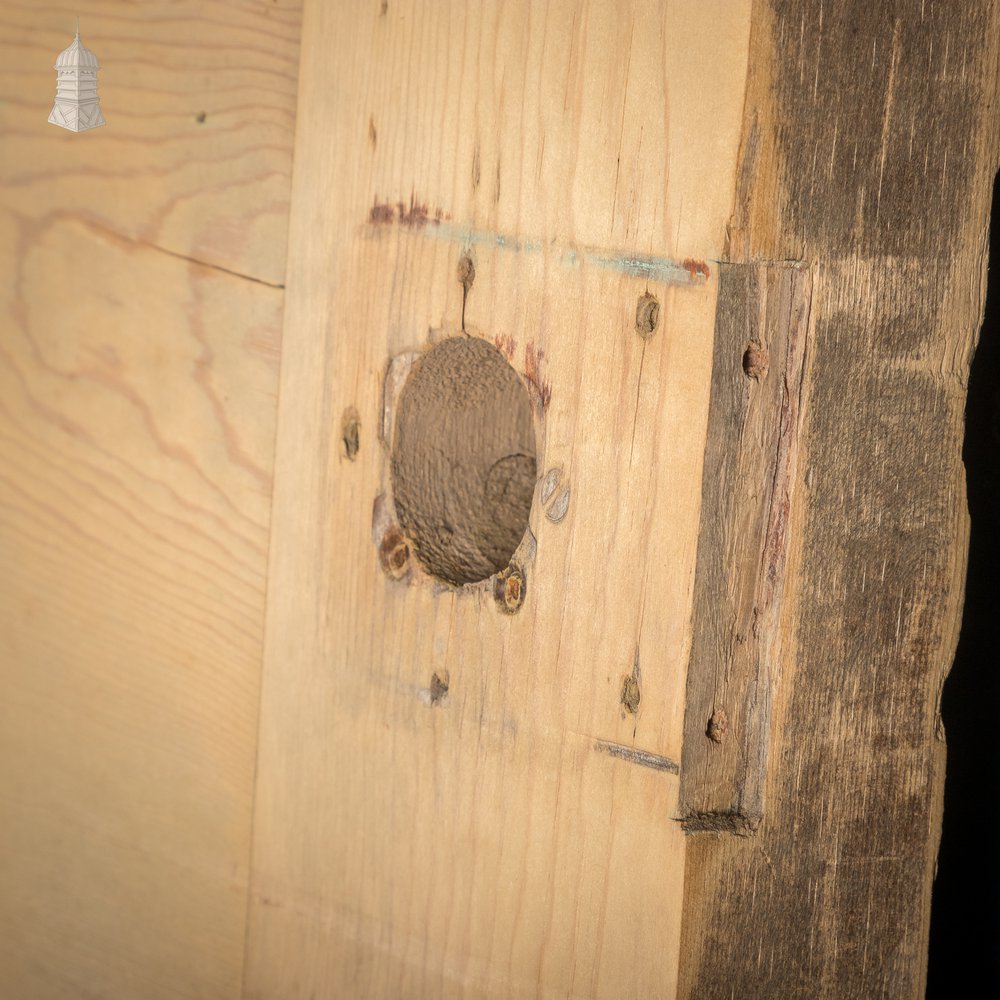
<point>965,909</point>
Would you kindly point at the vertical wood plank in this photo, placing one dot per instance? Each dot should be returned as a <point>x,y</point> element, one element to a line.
<point>141,267</point>
<point>869,145</point>
<point>454,800</point>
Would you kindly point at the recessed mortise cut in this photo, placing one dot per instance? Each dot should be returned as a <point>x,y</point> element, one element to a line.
<point>463,460</point>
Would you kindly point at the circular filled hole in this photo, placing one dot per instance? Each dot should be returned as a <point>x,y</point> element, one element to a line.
<point>463,460</point>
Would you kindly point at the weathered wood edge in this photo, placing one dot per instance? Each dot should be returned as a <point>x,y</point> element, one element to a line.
<point>868,151</point>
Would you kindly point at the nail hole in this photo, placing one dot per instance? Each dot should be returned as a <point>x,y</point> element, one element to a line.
<point>350,433</point>
<point>631,695</point>
<point>755,362</point>
<point>439,686</point>
<point>394,553</point>
<point>466,272</point>
<point>647,316</point>
<point>466,276</point>
<point>509,589</point>
<point>717,726</point>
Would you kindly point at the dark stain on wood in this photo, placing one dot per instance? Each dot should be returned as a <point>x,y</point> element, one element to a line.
<point>898,161</point>
<point>415,214</point>
<point>507,344</point>
<point>876,116</point>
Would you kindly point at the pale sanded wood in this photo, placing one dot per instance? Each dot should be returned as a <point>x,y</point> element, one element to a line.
<point>454,800</point>
<point>140,320</point>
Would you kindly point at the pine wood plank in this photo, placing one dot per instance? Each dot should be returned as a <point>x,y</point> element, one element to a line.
<point>141,267</point>
<point>453,800</point>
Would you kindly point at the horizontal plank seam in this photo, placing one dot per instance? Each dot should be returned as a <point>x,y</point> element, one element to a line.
<point>213,267</point>
<point>124,238</point>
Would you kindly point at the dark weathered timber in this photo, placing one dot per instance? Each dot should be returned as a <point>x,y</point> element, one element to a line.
<point>762,325</point>
<point>870,140</point>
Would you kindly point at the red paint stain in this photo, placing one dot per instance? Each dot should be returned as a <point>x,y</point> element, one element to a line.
<point>695,267</point>
<point>381,214</point>
<point>414,215</point>
<point>506,344</point>
<point>541,390</point>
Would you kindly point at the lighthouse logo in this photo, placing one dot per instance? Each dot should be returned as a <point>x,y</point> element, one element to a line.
<point>76,107</point>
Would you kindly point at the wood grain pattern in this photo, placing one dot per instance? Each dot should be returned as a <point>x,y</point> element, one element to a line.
<point>141,268</point>
<point>474,791</point>
<point>870,141</point>
<point>763,322</point>
<point>453,800</point>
